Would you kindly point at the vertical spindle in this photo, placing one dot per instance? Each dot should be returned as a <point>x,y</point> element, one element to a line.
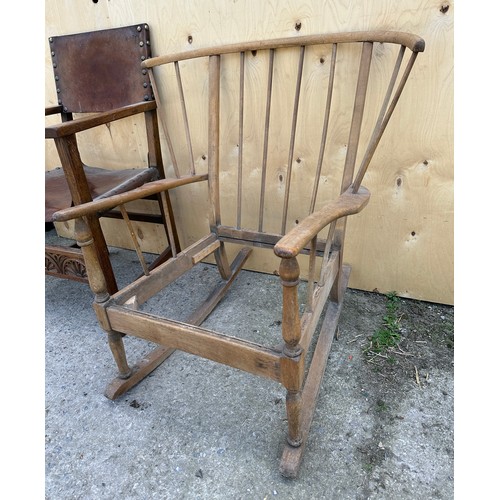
<point>292,139</point>
<point>185,118</point>
<point>357,115</point>
<point>326,119</point>
<point>266,138</point>
<point>163,122</point>
<point>240,139</point>
<point>385,116</point>
<point>213,159</point>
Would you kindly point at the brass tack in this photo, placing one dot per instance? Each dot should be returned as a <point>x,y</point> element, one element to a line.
<point>141,44</point>
<point>139,28</point>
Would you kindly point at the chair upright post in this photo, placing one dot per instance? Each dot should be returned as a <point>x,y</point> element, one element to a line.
<point>213,160</point>
<point>293,354</point>
<point>72,165</point>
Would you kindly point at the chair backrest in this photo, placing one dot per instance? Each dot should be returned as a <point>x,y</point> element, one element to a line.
<point>287,119</point>
<point>101,70</point>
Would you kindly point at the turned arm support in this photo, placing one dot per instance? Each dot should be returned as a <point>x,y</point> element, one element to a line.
<point>103,204</point>
<point>87,122</point>
<point>297,238</point>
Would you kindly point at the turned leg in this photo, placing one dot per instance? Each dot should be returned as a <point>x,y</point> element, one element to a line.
<point>292,362</point>
<point>115,341</point>
<point>97,282</point>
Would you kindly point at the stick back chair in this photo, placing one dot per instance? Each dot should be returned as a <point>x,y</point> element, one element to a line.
<point>98,75</point>
<point>296,209</point>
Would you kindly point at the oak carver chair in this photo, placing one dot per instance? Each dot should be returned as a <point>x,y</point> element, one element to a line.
<point>98,75</point>
<point>325,72</point>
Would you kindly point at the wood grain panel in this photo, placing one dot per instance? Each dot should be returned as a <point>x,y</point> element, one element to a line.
<point>403,240</point>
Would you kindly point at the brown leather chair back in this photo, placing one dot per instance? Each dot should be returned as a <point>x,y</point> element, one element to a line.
<point>101,70</point>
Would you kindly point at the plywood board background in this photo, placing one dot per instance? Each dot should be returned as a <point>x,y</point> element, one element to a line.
<point>403,240</point>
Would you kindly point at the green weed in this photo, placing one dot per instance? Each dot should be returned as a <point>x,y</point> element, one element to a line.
<point>388,335</point>
<point>381,406</point>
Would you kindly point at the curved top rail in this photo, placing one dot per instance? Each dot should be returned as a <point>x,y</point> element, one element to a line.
<point>409,40</point>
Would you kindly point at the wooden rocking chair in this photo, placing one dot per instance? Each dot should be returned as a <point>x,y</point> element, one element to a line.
<point>327,73</point>
<point>98,75</point>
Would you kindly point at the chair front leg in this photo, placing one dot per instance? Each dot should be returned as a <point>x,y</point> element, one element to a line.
<point>115,341</point>
<point>98,285</point>
<point>292,362</point>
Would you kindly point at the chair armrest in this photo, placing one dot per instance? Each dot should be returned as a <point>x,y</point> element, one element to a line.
<point>87,122</point>
<point>296,239</point>
<point>104,204</point>
<point>53,110</point>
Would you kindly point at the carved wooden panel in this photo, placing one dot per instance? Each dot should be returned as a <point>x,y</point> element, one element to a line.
<point>65,263</point>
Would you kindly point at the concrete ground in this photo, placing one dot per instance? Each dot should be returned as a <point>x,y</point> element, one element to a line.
<point>383,427</point>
